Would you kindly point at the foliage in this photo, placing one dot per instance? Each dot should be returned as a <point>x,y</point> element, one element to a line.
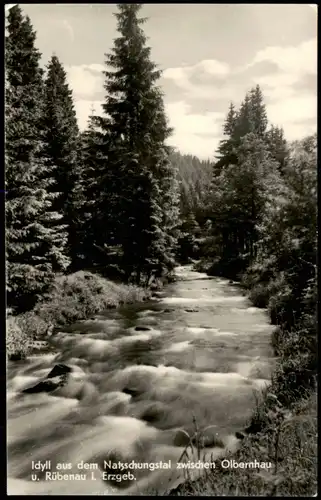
<point>34,247</point>
<point>238,200</point>
<point>194,176</point>
<point>61,152</point>
<point>289,443</point>
<point>16,340</point>
<point>118,201</point>
<point>137,182</point>
<point>73,298</point>
<point>266,190</point>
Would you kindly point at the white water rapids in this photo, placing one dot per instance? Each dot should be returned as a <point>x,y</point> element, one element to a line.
<point>140,375</point>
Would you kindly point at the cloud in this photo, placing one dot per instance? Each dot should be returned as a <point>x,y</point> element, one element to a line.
<point>291,91</point>
<point>213,67</point>
<point>293,114</point>
<point>207,69</point>
<point>85,80</point>
<point>286,74</point>
<point>69,29</point>
<point>194,133</point>
<point>83,111</point>
<point>210,66</point>
<point>292,60</point>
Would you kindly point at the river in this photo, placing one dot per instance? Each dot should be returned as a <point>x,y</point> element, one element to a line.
<point>141,376</point>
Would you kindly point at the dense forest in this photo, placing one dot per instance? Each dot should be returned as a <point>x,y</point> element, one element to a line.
<point>117,202</point>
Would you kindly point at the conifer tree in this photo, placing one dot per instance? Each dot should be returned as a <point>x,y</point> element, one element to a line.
<point>61,150</point>
<point>258,112</point>
<point>226,149</point>
<point>288,231</point>
<point>250,118</point>
<point>245,118</point>
<point>278,147</point>
<point>140,189</point>
<point>229,125</point>
<point>33,245</point>
<point>243,179</point>
<point>95,231</point>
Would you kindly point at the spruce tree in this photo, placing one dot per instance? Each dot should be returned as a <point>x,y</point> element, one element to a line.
<point>245,119</point>
<point>258,112</point>
<point>33,245</point>
<point>243,179</point>
<point>229,125</point>
<point>61,151</point>
<point>226,149</point>
<point>95,231</point>
<point>278,147</point>
<point>139,186</point>
<point>250,118</point>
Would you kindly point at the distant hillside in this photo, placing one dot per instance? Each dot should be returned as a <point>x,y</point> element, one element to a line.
<point>195,177</point>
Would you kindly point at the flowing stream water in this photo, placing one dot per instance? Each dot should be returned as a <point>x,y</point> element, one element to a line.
<point>141,376</point>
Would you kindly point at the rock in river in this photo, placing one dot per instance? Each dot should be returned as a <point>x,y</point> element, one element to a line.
<point>58,377</point>
<point>142,329</point>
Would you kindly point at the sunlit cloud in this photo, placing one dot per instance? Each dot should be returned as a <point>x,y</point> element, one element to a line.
<point>84,108</point>
<point>86,79</point>
<point>286,105</point>
<point>192,131</point>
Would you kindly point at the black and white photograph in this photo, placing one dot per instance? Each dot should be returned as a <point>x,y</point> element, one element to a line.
<point>161,249</point>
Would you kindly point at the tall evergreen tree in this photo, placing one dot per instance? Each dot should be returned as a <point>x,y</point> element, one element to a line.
<point>245,117</point>
<point>250,118</point>
<point>61,150</point>
<point>226,150</point>
<point>278,147</point>
<point>243,180</point>
<point>34,247</point>
<point>229,125</point>
<point>258,112</point>
<point>95,231</point>
<point>141,190</point>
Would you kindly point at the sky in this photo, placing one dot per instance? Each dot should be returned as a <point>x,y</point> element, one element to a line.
<point>210,55</point>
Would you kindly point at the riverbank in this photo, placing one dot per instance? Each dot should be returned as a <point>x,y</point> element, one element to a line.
<point>283,427</point>
<point>72,298</point>
<point>140,376</point>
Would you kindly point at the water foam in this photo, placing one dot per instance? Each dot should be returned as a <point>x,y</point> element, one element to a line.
<point>116,402</point>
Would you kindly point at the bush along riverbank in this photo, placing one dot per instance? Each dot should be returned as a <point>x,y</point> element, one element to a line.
<point>71,298</point>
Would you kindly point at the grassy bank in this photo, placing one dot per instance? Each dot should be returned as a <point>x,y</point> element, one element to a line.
<point>288,441</point>
<point>71,298</point>
<point>283,426</point>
